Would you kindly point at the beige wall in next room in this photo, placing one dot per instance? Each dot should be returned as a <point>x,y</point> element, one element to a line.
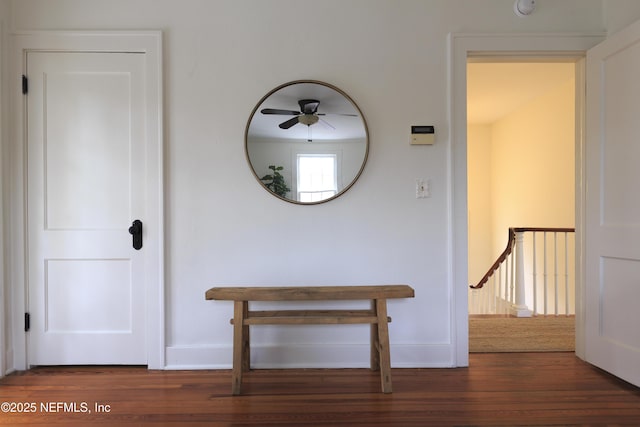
<point>521,167</point>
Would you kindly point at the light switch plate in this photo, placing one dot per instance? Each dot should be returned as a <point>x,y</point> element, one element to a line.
<point>423,188</point>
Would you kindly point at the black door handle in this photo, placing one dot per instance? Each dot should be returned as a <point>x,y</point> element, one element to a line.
<point>136,231</point>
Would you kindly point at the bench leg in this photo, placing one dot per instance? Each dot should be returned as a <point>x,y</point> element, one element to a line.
<point>383,345</point>
<point>375,345</point>
<point>246,342</point>
<point>240,309</point>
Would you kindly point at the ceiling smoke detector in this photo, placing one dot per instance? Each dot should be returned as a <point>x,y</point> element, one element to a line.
<point>524,7</point>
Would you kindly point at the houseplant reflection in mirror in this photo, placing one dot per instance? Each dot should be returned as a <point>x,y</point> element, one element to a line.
<point>275,181</point>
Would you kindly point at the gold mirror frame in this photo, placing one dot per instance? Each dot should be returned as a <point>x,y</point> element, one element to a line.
<point>345,131</point>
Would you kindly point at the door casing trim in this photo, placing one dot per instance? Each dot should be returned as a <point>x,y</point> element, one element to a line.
<point>509,47</point>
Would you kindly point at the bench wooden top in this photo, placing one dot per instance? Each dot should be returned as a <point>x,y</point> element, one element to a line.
<point>309,293</point>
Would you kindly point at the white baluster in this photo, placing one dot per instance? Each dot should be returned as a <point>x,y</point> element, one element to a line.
<point>492,301</point>
<point>512,279</point>
<point>544,272</point>
<point>486,295</point>
<point>501,293</point>
<point>555,272</point>
<point>535,276</point>
<point>566,274</point>
<point>519,309</point>
<point>496,293</point>
<point>507,280</point>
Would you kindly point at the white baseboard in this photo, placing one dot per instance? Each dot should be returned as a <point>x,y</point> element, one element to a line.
<point>8,363</point>
<point>309,356</point>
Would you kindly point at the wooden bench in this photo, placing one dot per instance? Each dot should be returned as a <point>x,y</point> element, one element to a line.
<point>376,317</point>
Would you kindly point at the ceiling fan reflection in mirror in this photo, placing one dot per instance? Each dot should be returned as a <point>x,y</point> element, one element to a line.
<point>308,115</point>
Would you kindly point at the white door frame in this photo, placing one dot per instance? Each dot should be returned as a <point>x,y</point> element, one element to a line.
<point>3,284</point>
<point>149,43</point>
<point>509,46</point>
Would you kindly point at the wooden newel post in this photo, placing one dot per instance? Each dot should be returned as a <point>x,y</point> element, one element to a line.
<point>519,309</point>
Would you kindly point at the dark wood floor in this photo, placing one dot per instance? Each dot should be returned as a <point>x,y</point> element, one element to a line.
<point>507,389</point>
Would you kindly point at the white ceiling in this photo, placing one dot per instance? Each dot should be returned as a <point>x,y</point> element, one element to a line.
<point>496,89</point>
<point>332,103</point>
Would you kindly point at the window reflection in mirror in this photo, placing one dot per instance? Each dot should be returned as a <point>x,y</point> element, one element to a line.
<point>313,134</point>
<point>316,176</point>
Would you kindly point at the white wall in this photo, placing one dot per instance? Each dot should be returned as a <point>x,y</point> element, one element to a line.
<point>221,57</point>
<point>620,13</point>
<point>533,161</point>
<point>480,205</point>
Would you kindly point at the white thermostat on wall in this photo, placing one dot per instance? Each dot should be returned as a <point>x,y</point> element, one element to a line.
<point>422,135</point>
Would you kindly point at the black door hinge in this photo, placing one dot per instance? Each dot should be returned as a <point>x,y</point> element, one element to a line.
<point>27,322</point>
<point>25,85</point>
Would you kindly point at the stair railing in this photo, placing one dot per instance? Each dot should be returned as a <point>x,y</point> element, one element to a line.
<point>531,276</point>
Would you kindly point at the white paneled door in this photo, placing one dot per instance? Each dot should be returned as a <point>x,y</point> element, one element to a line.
<point>86,170</point>
<point>613,205</point>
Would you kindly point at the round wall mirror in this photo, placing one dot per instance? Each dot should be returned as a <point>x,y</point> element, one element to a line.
<point>306,142</point>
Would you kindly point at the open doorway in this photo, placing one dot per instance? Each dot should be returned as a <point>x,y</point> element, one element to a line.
<point>521,137</point>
